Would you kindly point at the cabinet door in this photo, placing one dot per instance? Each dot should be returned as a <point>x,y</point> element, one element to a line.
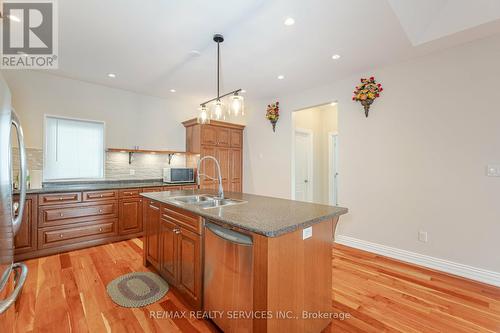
<point>168,245</point>
<point>25,240</point>
<point>189,267</point>
<point>208,168</point>
<point>152,224</point>
<point>223,137</point>
<point>223,156</point>
<point>130,216</point>
<point>236,138</point>
<point>236,170</point>
<point>208,135</point>
<point>193,139</point>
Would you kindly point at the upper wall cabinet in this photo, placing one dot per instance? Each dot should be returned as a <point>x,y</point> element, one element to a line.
<point>223,141</point>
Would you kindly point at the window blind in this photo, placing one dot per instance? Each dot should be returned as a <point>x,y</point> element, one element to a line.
<point>74,149</point>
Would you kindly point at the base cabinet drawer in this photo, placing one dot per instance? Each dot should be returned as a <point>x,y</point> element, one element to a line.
<point>59,198</point>
<point>68,214</point>
<point>52,237</point>
<point>100,195</point>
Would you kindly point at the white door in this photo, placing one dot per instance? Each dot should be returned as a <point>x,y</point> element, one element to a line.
<point>303,166</point>
<point>333,168</point>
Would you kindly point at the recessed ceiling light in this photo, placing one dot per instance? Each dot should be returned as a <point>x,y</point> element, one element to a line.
<point>336,56</point>
<point>289,21</point>
<point>172,90</point>
<point>111,75</point>
<point>14,18</point>
<point>243,91</point>
<point>281,77</point>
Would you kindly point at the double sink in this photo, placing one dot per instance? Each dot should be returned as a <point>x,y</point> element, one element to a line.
<point>206,201</point>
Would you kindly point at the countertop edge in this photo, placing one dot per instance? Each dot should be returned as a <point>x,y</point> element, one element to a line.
<point>271,234</point>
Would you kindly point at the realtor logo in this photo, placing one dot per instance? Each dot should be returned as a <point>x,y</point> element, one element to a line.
<point>29,34</point>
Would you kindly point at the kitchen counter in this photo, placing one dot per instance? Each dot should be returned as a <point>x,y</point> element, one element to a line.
<point>98,185</point>
<point>267,216</point>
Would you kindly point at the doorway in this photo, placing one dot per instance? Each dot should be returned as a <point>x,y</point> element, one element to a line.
<point>315,154</point>
<point>333,168</point>
<point>304,165</point>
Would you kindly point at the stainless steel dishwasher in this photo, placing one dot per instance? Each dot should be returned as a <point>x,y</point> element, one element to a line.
<point>228,278</point>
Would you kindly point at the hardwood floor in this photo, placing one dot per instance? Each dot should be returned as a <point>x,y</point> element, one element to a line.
<point>384,295</point>
<point>67,293</point>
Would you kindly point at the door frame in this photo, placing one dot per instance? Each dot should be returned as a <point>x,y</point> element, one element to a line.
<point>333,167</point>
<point>310,171</point>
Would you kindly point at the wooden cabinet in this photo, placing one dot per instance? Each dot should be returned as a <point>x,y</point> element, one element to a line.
<point>189,277</point>
<point>25,240</point>
<point>223,156</point>
<point>68,235</point>
<point>100,195</point>
<point>208,135</point>
<point>151,214</point>
<point>223,136</point>
<point>235,163</point>
<point>168,243</point>
<point>224,141</point>
<point>179,242</point>
<point>59,198</point>
<point>236,138</point>
<point>130,212</point>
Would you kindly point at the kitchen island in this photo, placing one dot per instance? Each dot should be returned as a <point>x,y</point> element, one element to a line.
<point>286,279</point>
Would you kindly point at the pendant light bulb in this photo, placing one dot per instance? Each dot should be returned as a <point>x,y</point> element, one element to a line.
<point>203,116</point>
<point>237,106</point>
<point>218,111</point>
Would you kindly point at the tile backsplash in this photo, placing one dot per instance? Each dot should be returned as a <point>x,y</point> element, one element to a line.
<point>144,166</point>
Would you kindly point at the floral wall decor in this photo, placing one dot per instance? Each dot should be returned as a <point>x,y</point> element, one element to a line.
<point>367,92</point>
<point>273,114</point>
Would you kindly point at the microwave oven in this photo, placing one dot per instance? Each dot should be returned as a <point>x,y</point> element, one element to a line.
<point>178,175</point>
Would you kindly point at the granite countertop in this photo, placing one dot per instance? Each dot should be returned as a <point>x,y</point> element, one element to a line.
<point>266,216</point>
<point>98,185</point>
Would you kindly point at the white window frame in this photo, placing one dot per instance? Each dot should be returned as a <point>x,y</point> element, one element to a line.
<point>45,118</point>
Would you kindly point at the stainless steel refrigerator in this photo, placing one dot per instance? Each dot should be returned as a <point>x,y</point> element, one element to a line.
<point>12,275</point>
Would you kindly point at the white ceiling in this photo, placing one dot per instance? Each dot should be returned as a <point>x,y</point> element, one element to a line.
<point>147,43</point>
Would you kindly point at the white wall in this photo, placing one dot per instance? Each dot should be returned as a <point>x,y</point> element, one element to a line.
<point>417,163</point>
<point>131,119</point>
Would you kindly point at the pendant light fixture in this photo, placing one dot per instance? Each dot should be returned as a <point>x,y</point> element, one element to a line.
<point>236,105</point>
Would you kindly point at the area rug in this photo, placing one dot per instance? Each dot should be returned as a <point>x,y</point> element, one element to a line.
<point>135,290</point>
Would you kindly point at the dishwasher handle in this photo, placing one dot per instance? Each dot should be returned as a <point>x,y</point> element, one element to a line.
<point>229,235</point>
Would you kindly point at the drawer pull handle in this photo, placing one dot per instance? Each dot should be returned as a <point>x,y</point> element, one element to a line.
<point>61,236</point>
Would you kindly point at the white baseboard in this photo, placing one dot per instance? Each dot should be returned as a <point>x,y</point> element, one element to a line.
<point>473,273</point>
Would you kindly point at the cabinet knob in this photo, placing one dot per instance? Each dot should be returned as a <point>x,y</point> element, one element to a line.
<point>60,198</point>
<point>101,195</point>
<point>61,214</point>
<point>100,229</point>
<point>61,236</point>
<point>100,210</point>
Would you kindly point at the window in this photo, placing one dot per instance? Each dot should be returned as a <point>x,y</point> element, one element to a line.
<point>74,149</point>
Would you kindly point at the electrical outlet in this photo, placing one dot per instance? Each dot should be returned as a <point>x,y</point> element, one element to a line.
<point>307,233</point>
<point>132,172</point>
<point>493,170</point>
<point>422,236</point>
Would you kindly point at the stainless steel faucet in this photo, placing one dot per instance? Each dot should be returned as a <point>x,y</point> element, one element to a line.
<point>221,189</point>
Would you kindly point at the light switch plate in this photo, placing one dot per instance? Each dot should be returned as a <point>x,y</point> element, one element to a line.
<point>307,233</point>
<point>422,236</point>
<point>493,170</point>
